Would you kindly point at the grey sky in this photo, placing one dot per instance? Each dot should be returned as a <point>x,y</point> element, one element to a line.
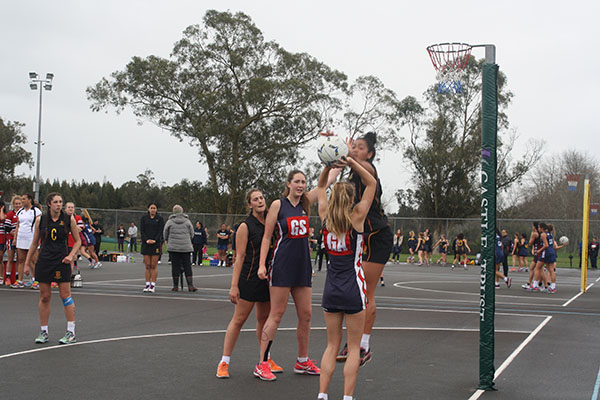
<point>547,50</point>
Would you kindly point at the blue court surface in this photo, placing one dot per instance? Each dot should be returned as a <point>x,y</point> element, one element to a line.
<point>425,345</point>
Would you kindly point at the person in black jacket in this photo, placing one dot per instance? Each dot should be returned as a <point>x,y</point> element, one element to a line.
<point>151,229</point>
<point>507,244</point>
<point>593,248</point>
<point>98,231</point>
<point>199,243</point>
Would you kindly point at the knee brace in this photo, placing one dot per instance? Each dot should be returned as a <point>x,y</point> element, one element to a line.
<point>68,301</point>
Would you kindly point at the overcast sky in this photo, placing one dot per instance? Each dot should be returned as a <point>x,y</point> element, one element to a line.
<point>548,50</point>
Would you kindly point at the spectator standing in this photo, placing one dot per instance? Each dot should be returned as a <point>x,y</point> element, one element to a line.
<point>132,232</point>
<point>222,242</point>
<point>179,233</point>
<point>398,238</point>
<point>321,251</point>
<point>593,248</point>
<point>121,238</point>
<point>151,230</point>
<point>98,231</point>
<point>198,242</point>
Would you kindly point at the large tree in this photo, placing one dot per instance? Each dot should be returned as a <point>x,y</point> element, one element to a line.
<point>444,149</point>
<point>545,194</point>
<point>247,103</point>
<point>12,153</point>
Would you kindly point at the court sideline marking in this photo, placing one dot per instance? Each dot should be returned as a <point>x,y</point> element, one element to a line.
<point>579,294</point>
<point>222,331</point>
<point>596,387</point>
<point>513,355</point>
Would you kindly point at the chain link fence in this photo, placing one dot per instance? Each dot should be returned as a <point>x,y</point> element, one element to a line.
<point>470,227</point>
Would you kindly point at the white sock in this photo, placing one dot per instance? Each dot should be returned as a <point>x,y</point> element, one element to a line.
<point>45,328</point>
<point>535,284</point>
<point>347,397</point>
<point>152,284</point>
<point>147,283</point>
<point>364,342</point>
<point>322,396</point>
<point>71,326</point>
<point>303,359</point>
<point>553,285</point>
<point>226,359</point>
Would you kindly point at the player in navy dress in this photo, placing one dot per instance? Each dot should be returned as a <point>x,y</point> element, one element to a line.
<point>345,291</point>
<point>54,263</point>
<point>499,260</point>
<point>290,271</point>
<point>247,289</point>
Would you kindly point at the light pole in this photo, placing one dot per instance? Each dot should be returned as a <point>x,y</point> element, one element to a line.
<point>46,84</point>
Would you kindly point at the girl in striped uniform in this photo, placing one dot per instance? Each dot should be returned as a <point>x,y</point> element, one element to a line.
<point>345,291</point>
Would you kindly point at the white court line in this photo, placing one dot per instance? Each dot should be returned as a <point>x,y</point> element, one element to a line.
<point>577,295</point>
<point>514,354</point>
<point>318,305</point>
<point>400,285</point>
<point>156,335</point>
<point>143,280</point>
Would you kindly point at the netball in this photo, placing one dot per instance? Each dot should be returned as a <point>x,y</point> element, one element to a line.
<point>563,240</point>
<point>331,149</point>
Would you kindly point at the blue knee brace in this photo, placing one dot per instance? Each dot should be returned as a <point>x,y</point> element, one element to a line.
<point>68,301</point>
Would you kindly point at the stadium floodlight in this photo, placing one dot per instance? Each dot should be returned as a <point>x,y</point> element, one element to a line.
<point>46,84</point>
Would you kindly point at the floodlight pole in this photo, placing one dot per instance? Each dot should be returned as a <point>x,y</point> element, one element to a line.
<point>45,84</point>
<point>36,188</point>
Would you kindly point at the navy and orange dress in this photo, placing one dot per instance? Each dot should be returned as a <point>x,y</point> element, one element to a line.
<point>345,286</point>
<point>291,264</point>
<point>251,287</point>
<point>379,239</point>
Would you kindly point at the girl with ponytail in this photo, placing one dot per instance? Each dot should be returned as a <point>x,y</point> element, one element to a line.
<point>345,290</point>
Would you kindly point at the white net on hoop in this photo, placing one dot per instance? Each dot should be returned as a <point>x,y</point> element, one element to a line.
<point>449,60</point>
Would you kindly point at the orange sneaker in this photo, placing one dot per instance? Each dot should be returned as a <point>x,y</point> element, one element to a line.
<point>276,369</point>
<point>223,370</point>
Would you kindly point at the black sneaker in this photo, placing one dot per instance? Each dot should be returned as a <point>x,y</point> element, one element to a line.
<point>343,354</point>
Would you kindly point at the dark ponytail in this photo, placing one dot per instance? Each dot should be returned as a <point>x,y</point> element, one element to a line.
<point>370,139</point>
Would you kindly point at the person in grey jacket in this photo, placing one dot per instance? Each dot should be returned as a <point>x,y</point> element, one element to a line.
<point>178,233</point>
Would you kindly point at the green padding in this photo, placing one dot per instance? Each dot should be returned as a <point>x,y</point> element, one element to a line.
<point>489,135</point>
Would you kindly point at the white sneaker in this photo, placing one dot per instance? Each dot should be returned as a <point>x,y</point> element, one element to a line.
<point>146,289</point>
<point>98,264</point>
<point>151,290</point>
<point>159,262</point>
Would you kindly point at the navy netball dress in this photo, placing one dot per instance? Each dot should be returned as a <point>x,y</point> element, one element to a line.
<point>499,252</point>
<point>345,287</point>
<point>549,255</point>
<point>291,264</point>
